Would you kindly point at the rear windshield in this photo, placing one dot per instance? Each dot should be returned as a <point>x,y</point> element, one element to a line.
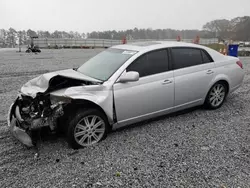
<point>104,65</point>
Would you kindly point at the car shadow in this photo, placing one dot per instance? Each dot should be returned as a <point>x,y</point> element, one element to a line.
<point>44,135</point>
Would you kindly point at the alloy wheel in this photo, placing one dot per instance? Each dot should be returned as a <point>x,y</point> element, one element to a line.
<point>89,130</point>
<point>217,95</point>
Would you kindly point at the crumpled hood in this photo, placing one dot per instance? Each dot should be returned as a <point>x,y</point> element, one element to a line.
<point>41,83</point>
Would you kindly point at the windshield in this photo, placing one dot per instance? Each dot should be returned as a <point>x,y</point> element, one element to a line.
<point>103,65</point>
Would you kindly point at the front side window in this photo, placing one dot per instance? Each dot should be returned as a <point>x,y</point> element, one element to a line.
<point>186,57</point>
<point>105,64</point>
<point>151,63</point>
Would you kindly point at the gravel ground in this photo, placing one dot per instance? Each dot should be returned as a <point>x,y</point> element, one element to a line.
<point>198,148</point>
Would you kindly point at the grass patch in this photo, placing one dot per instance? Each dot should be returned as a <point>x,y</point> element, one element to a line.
<point>216,46</point>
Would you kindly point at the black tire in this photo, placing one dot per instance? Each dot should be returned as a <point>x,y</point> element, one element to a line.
<point>78,118</point>
<point>209,103</point>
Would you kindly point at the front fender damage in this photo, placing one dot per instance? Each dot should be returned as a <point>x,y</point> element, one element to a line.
<point>29,113</point>
<point>44,99</point>
<point>100,95</point>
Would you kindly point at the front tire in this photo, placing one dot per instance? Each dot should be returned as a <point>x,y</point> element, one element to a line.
<point>86,128</point>
<point>216,96</point>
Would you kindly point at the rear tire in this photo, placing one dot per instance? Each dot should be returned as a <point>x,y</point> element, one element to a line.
<point>86,128</point>
<point>216,96</point>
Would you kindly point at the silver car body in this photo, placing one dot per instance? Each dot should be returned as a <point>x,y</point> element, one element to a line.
<point>150,96</point>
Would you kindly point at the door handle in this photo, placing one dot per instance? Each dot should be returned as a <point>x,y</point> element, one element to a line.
<point>210,72</point>
<point>166,82</point>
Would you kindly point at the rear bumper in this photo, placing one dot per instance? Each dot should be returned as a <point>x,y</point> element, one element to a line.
<point>19,133</point>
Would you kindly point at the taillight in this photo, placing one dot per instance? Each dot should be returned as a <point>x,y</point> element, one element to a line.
<point>240,64</point>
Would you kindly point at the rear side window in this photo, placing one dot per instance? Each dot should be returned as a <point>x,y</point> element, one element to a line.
<point>186,57</point>
<point>151,63</point>
<point>206,58</point>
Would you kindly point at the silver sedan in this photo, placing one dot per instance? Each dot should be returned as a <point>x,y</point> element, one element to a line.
<point>123,85</point>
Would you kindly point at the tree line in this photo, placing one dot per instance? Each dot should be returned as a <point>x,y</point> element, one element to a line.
<point>235,29</point>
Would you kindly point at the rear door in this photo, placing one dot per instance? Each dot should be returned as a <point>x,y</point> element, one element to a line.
<point>193,72</point>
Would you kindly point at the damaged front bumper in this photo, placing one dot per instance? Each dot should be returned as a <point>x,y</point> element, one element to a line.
<point>19,133</point>
<point>22,129</point>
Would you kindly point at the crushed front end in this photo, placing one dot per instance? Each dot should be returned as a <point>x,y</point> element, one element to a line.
<point>27,114</point>
<point>44,99</point>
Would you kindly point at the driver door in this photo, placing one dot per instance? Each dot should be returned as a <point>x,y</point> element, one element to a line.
<point>151,95</point>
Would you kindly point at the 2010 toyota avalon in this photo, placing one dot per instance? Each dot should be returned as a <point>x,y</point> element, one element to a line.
<point>122,85</point>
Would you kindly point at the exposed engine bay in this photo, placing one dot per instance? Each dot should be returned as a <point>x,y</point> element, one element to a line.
<point>38,112</point>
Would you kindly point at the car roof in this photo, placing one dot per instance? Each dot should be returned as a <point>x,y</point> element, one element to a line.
<point>147,46</point>
<point>153,45</point>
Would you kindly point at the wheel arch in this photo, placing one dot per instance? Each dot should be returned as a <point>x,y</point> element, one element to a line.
<point>76,104</point>
<point>226,84</point>
<point>223,80</point>
<point>84,103</point>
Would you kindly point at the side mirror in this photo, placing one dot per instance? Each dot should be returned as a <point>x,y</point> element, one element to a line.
<point>131,76</point>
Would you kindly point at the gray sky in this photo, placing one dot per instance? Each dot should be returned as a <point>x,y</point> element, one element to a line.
<point>99,15</point>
